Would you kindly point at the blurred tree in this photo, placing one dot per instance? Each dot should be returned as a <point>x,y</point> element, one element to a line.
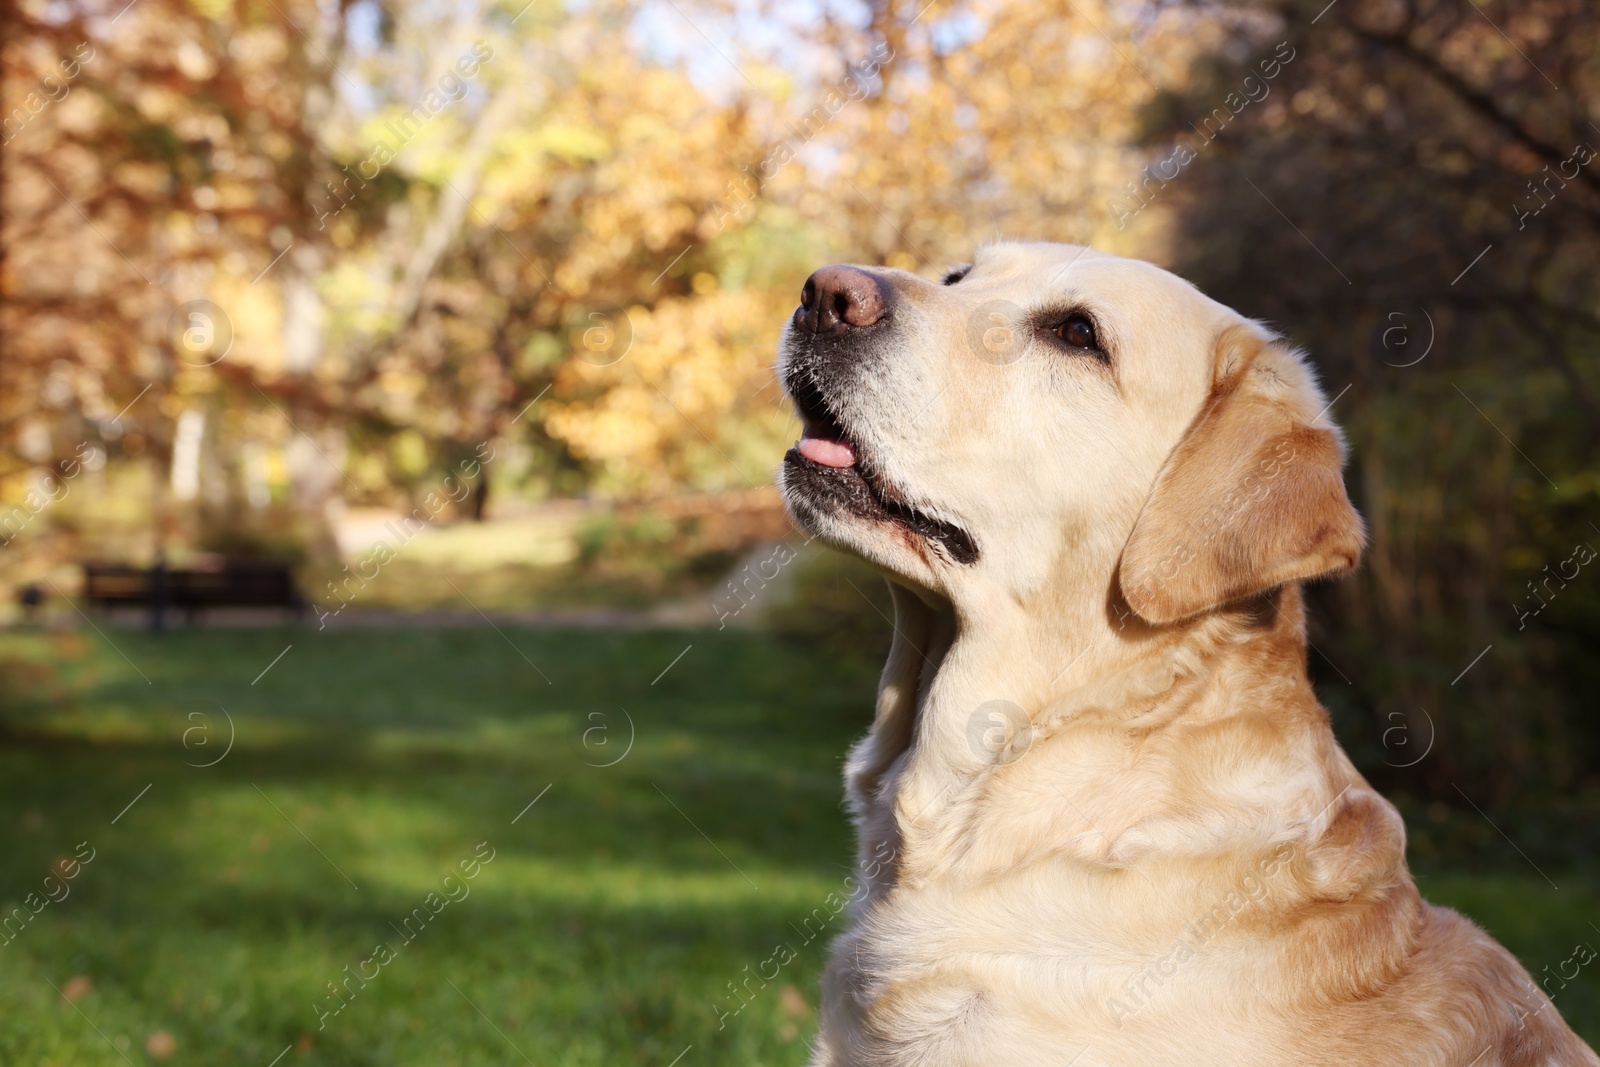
<point>373,204</point>
<point>575,269</point>
<point>153,158</point>
<point>1413,199</point>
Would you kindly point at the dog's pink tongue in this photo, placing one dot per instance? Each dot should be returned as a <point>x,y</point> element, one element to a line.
<point>826,452</point>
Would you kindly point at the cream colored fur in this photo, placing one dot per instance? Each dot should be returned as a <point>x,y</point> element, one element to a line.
<point>1171,861</point>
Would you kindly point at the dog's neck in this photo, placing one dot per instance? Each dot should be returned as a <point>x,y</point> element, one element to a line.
<point>942,731</point>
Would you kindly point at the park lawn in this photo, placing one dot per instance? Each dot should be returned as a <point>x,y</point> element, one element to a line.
<point>610,925</point>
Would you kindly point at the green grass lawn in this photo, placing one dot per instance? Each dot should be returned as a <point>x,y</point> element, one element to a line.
<point>613,920</point>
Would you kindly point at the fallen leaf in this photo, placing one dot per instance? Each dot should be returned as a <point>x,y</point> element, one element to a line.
<point>160,1044</point>
<point>793,1002</point>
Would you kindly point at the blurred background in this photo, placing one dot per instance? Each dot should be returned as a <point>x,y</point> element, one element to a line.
<point>387,435</point>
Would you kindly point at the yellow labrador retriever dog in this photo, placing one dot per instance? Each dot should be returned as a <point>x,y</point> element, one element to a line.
<point>1102,818</point>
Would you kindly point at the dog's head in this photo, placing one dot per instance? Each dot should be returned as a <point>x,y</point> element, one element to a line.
<point>1050,414</point>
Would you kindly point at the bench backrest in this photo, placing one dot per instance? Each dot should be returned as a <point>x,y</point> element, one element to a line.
<point>240,583</point>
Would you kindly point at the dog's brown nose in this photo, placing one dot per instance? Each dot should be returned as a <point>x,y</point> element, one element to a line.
<point>838,297</point>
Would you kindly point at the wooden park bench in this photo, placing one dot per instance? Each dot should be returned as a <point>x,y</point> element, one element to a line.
<point>232,583</point>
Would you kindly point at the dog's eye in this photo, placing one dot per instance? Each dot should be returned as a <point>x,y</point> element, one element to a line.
<point>1078,332</point>
<point>955,274</point>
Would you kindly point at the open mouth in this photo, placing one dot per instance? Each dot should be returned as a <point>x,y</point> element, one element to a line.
<point>823,441</point>
<point>826,466</point>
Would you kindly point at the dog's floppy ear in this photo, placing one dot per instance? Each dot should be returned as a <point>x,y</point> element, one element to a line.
<point>1251,498</point>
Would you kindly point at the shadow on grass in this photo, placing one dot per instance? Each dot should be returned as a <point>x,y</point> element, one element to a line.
<point>609,925</point>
